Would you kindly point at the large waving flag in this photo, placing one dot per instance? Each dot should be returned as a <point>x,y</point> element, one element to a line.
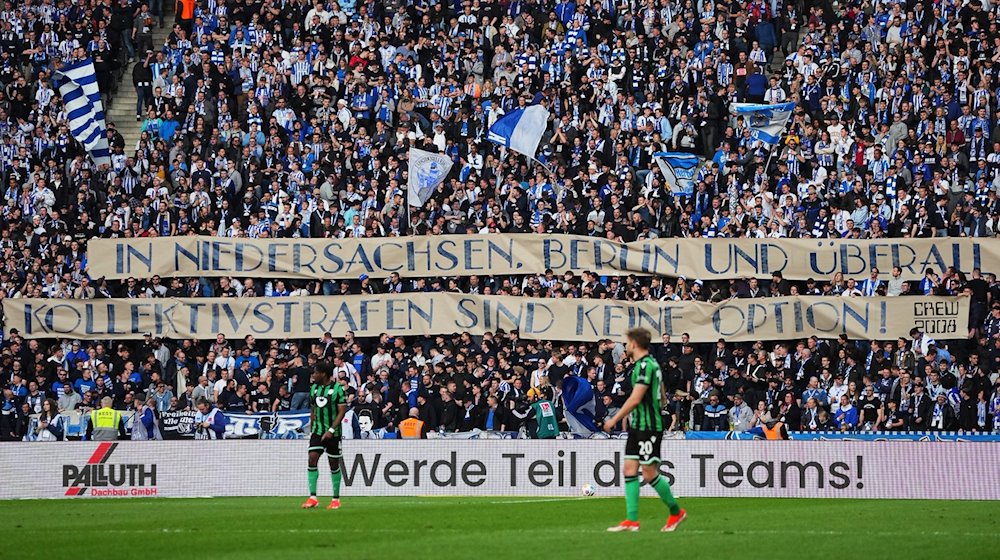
<point>678,170</point>
<point>82,99</point>
<point>578,396</point>
<point>427,171</point>
<point>766,122</point>
<point>521,129</point>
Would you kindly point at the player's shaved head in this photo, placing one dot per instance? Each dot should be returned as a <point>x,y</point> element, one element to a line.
<point>324,369</point>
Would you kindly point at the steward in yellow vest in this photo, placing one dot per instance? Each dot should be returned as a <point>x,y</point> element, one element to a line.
<point>106,423</point>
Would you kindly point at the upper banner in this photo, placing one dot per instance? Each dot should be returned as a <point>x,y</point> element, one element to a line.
<point>445,313</point>
<point>465,255</point>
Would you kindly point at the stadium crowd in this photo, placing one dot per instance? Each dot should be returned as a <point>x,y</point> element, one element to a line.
<point>272,118</point>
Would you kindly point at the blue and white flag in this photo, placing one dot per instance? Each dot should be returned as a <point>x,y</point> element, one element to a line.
<point>578,396</point>
<point>678,170</point>
<point>82,99</point>
<point>427,171</point>
<point>521,129</point>
<point>766,122</point>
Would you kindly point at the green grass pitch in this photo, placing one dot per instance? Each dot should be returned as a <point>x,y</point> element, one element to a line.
<point>444,528</point>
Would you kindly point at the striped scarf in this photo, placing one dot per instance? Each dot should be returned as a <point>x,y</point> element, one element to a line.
<point>40,144</point>
<point>7,152</point>
<point>444,106</point>
<point>300,69</point>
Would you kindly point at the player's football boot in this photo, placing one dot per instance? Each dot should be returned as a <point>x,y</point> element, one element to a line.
<point>310,503</point>
<point>674,520</point>
<point>624,526</point>
<point>334,504</point>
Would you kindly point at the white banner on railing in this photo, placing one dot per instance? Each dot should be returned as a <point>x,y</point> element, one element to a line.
<point>499,468</point>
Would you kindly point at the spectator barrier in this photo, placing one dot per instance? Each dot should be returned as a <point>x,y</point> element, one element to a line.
<point>852,436</point>
<point>294,425</point>
<point>508,468</point>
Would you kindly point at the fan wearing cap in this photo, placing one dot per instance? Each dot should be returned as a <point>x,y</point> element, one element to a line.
<point>367,286</point>
<point>942,414</point>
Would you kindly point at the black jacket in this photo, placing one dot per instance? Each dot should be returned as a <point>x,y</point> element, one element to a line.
<point>920,411</point>
<point>142,74</point>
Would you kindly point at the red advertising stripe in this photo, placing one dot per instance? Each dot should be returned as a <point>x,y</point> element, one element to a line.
<point>108,454</point>
<point>75,491</point>
<point>100,454</point>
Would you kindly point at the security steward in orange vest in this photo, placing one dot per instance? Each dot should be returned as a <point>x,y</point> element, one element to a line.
<point>773,429</point>
<point>413,427</point>
<point>185,14</point>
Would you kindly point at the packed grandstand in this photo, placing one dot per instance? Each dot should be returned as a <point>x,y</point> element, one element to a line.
<point>284,120</point>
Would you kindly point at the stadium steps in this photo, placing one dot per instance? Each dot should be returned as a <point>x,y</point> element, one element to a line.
<point>122,110</point>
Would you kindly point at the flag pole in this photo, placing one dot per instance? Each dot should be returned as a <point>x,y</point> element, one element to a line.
<point>551,174</point>
<point>770,152</point>
<point>767,163</point>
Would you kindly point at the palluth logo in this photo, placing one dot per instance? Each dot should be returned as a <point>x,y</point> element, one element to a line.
<point>105,479</point>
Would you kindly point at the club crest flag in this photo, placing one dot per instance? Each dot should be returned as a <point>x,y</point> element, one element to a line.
<point>766,122</point>
<point>427,171</point>
<point>678,170</point>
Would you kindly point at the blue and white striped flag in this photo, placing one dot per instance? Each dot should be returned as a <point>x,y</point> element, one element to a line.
<point>427,171</point>
<point>766,122</point>
<point>82,99</point>
<point>521,129</point>
<point>678,170</point>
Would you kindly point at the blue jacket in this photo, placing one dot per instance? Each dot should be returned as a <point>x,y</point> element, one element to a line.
<point>756,84</point>
<point>847,417</point>
<point>217,428</point>
<point>766,37</point>
<point>715,418</point>
<point>168,128</point>
<point>147,419</point>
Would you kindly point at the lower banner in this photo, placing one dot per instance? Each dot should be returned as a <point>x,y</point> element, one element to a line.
<point>281,425</point>
<point>180,425</point>
<point>177,424</point>
<point>793,469</point>
<point>445,313</point>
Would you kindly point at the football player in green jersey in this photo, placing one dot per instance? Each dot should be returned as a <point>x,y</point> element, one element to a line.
<point>645,433</point>
<point>328,402</point>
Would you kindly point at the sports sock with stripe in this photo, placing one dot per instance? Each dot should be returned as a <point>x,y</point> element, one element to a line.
<point>313,478</point>
<point>335,478</point>
<point>632,498</point>
<point>662,488</point>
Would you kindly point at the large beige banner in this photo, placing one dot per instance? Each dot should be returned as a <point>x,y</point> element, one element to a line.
<point>465,255</point>
<point>444,313</point>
